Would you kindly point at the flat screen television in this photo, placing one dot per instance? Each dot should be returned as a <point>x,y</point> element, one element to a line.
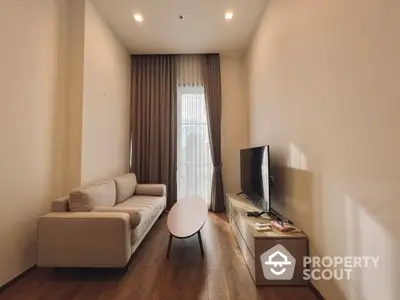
<point>255,174</point>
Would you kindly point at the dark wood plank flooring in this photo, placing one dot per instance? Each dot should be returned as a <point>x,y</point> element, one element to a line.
<point>221,275</point>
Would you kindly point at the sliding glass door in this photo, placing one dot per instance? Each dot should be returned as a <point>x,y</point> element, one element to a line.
<point>194,171</point>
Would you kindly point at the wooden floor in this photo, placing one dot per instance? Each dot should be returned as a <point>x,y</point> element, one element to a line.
<point>221,275</point>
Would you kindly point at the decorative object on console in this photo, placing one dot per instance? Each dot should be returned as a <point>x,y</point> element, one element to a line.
<point>284,228</point>
<point>263,227</point>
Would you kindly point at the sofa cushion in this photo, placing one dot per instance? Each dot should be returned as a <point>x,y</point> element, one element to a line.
<point>125,186</point>
<point>133,213</point>
<point>147,189</point>
<point>100,194</point>
<point>60,204</point>
<point>149,208</point>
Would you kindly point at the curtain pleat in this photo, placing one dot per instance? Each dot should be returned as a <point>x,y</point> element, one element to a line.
<point>189,70</point>
<point>212,87</point>
<point>153,121</point>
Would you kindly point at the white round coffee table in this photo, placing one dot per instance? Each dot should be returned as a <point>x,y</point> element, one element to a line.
<point>186,218</point>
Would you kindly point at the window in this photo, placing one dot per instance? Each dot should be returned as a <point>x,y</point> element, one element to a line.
<point>194,170</point>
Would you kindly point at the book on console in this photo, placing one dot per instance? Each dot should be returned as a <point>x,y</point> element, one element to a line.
<point>284,228</point>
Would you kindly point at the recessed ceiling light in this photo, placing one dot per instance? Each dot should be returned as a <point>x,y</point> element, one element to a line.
<point>138,18</point>
<point>228,15</point>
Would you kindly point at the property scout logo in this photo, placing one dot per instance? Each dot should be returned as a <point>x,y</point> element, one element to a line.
<point>278,264</point>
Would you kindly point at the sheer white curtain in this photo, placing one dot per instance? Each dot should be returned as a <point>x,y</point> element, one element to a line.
<point>194,170</point>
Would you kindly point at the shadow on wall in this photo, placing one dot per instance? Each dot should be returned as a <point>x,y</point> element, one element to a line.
<point>371,230</point>
<point>297,195</point>
<point>341,219</point>
<point>59,116</point>
<point>292,194</point>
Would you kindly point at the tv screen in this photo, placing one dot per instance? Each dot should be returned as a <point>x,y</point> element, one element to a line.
<point>254,175</point>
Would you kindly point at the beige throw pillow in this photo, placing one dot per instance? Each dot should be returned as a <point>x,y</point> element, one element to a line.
<point>125,186</point>
<point>100,194</point>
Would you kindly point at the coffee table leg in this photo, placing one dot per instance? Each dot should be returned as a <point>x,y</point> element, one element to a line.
<point>201,243</point>
<point>169,245</point>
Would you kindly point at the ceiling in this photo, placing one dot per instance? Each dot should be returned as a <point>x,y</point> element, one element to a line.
<point>203,29</point>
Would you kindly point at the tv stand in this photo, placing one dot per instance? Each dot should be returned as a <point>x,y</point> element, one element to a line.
<point>253,243</point>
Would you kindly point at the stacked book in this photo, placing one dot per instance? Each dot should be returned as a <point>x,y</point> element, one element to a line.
<point>283,227</point>
<point>263,227</point>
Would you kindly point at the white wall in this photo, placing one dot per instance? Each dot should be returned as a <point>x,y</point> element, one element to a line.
<point>30,127</point>
<point>58,131</point>
<point>106,103</point>
<point>324,92</point>
<point>234,121</point>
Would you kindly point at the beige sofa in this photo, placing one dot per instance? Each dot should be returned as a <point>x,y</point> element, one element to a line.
<point>101,225</point>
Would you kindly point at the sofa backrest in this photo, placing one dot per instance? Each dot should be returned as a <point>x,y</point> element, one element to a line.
<point>105,193</point>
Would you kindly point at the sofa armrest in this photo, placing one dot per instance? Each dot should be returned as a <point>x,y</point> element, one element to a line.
<point>158,190</point>
<point>134,214</point>
<point>84,239</point>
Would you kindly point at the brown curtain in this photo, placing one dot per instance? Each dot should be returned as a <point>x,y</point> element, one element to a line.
<point>212,90</point>
<point>153,121</point>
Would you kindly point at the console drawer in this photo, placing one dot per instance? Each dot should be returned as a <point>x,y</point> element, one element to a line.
<point>248,258</point>
<point>246,232</point>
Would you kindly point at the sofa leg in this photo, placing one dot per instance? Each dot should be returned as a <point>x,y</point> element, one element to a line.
<point>120,271</point>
